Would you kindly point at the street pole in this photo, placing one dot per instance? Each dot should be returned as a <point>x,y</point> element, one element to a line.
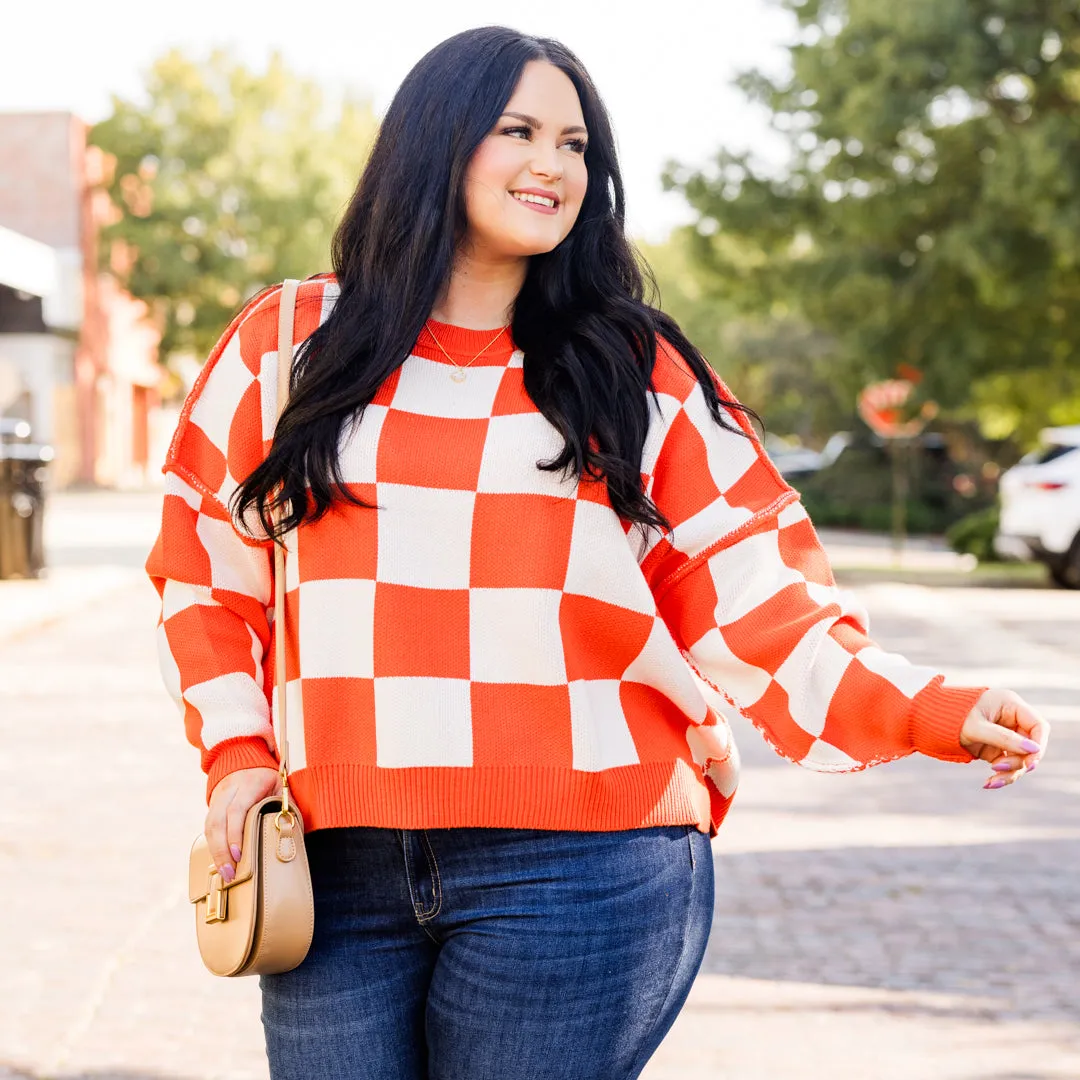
<point>898,450</point>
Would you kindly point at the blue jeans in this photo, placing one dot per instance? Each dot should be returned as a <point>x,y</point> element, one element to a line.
<point>490,954</point>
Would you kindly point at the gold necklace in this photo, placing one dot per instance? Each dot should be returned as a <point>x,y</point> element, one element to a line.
<point>458,374</point>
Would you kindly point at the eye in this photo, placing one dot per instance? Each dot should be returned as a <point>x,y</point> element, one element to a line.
<point>579,145</point>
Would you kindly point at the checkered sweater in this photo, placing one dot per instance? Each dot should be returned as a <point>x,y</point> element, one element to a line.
<point>493,645</point>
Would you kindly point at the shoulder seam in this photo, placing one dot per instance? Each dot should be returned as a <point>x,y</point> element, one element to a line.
<point>727,540</point>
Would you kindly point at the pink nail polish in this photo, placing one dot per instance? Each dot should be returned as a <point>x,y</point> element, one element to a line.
<point>997,782</point>
<point>227,872</point>
<point>1029,746</point>
<point>235,849</point>
<point>1033,766</point>
<point>1001,766</point>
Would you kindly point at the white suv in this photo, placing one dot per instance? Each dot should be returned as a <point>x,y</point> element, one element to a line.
<point>1040,507</point>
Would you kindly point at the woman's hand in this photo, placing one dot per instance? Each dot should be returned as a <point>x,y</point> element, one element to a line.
<point>1005,731</point>
<point>233,796</point>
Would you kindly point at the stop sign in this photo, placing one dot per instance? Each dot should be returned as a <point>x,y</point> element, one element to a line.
<point>881,405</point>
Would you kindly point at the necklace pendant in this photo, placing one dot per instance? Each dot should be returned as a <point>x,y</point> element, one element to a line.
<point>457,375</point>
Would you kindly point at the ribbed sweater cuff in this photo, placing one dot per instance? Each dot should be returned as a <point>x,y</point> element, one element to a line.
<point>250,752</point>
<point>938,715</point>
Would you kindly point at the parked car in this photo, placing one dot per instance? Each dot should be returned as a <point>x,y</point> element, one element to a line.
<point>1040,507</point>
<point>794,460</point>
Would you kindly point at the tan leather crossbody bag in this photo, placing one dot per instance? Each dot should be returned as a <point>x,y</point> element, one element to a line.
<point>261,922</point>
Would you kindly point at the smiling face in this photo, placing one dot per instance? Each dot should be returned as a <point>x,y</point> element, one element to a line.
<point>537,145</point>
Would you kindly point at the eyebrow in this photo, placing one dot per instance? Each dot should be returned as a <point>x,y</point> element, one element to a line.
<point>534,123</point>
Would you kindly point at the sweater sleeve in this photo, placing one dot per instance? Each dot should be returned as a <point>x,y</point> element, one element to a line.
<point>746,589</point>
<point>215,582</point>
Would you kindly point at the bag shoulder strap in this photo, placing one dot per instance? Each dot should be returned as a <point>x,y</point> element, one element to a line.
<point>284,378</point>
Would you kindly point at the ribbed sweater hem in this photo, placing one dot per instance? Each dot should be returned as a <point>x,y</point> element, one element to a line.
<point>518,797</point>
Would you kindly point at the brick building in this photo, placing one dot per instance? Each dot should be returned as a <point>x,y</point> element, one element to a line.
<point>78,357</point>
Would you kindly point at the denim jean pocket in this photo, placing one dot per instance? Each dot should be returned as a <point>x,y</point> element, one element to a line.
<point>690,831</point>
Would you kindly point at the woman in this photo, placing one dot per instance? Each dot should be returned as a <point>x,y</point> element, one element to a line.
<point>520,511</point>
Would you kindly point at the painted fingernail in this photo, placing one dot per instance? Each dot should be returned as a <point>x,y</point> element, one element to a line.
<point>995,783</point>
<point>998,766</point>
<point>1033,766</point>
<point>1029,746</point>
<point>235,849</point>
<point>227,872</point>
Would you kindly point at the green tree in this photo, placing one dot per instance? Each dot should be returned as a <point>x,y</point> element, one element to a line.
<point>774,361</point>
<point>224,180</point>
<point>929,210</point>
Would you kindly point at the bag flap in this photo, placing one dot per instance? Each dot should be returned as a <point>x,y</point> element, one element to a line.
<point>201,865</point>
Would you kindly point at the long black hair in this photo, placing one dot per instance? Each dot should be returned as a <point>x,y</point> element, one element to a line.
<point>588,336</point>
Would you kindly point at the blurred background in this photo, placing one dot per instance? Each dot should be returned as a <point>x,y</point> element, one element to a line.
<point>838,200</point>
<point>867,217</point>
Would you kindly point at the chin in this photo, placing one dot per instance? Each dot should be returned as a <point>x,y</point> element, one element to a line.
<point>533,245</point>
<point>518,244</point>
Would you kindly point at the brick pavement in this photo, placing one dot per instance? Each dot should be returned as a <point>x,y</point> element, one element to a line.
<point>901,922</point>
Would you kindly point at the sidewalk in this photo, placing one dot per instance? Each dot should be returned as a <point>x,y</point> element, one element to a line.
<point>850,549</point>
<point>102,799</point>
<point>95,544</point>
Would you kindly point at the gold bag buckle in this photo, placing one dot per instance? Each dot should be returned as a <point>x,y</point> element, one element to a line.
<point>217,899</point>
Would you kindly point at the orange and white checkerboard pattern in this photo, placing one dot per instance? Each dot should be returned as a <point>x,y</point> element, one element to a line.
<point>492,645</point>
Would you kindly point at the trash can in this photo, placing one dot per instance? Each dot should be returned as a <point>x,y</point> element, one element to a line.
<point>23,471</point>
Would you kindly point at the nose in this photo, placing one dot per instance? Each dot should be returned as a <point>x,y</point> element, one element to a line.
<point>546,161</point>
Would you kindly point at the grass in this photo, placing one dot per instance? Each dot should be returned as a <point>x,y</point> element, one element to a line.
<point>1005,575</point>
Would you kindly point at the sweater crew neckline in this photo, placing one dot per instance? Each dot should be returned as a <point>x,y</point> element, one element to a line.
<point>463,344</point>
